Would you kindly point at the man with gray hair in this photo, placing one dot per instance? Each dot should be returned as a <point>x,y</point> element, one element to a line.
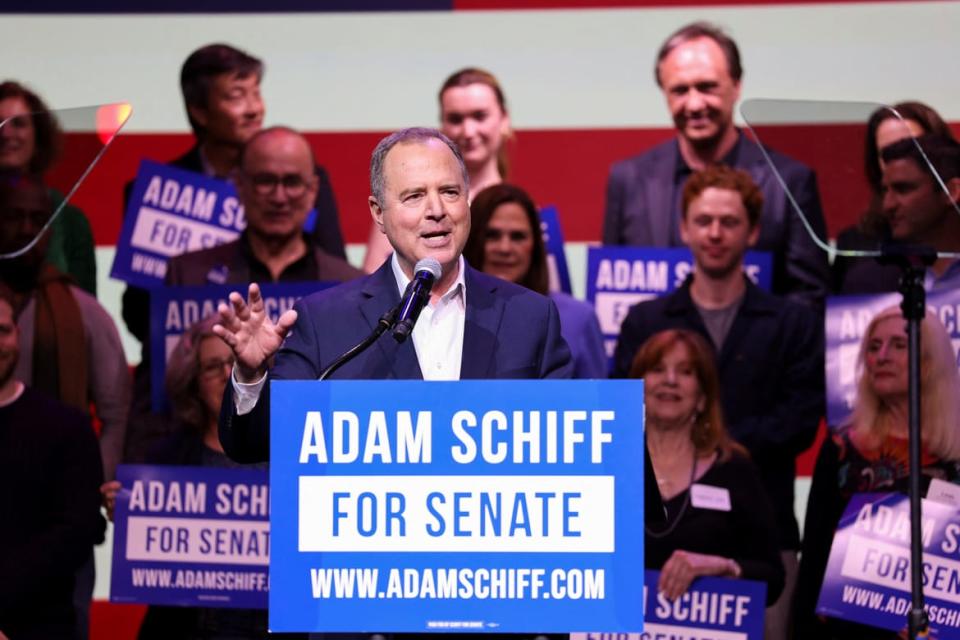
<point>474,326</point>
<point>698,69</point>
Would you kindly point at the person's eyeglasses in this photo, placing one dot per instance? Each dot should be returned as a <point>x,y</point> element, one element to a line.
<point>264,184</point>
<point>217,367</point>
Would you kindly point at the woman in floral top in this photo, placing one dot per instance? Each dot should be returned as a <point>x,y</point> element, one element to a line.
<point>870,452</point>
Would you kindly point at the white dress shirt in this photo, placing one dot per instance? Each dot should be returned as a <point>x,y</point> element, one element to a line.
<point>438,334</point>
<point>437,337</point>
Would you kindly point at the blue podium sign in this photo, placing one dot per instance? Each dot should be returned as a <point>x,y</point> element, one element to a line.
<point>868,574</point>
<point>173,310</point>
<point>711,609</point>
<point>191,536</point>
<point>410,506</point>
<point>620,277</point>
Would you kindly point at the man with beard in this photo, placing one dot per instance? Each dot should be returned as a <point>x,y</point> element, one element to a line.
<point>769,351</point>
<point>698,68</point>
<point>69,346</point>
<point>50,505</point>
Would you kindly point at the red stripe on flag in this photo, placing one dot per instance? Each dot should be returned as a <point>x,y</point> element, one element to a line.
<point>566,168</point>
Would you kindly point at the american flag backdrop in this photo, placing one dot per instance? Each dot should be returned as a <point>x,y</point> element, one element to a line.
<point>578,76</point>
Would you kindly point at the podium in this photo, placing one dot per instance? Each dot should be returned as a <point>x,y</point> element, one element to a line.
<point>472,506</point>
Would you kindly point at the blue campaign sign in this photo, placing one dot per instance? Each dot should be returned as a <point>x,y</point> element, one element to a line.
<point>712,608</point>
<point>173,310</point>
<point>172,211</point>
<point>620,277</point>
<point>191,536</point>
<point>868,574</point>
<point>847,319</point>
<point>411,506</point>
<point>556,256</point>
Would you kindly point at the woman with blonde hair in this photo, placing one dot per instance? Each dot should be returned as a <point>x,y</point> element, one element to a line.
<point>871,451</point>
<point>719,521</point>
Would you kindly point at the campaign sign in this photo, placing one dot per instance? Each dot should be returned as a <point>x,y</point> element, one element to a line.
<point>172,211</point>
<point>711,609</point>
<point>173,310</point>
<point>191,536</point>
<point>620,277</point>
<point>847,319</point>
<point>556,256</point>
<point>472,506</point>
<point>868,573</point>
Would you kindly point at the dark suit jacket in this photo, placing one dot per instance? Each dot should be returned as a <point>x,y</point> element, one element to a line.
<point>771,380</point>
<point>510,332</point>
<point>230,260</point>
<point>640,201</point>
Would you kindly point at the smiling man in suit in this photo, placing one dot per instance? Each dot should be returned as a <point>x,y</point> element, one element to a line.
<point>475,325</point>
<point>698,69</point>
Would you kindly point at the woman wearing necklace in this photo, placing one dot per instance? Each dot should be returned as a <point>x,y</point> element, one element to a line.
<point>719,521</point>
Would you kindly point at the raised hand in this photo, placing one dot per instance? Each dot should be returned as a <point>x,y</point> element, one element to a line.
<point>684,566</point>
<point>251,334</point>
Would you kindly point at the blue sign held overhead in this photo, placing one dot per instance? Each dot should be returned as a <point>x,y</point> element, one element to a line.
<point>411,506</point>
<point>620,277</point>
<point>191,536</point>
<point>173,310</point>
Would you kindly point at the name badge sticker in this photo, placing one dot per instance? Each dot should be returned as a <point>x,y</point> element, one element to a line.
<point>944,492</point>
<point>703,496</point>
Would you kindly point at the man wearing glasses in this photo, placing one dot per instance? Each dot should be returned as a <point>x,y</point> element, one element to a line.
<point>277,186</point>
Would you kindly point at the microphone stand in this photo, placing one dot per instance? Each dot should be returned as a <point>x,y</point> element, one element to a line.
<point>384,324</point>
<point>913,262</point>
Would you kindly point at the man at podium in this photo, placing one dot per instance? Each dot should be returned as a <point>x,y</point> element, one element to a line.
<point>472,326</point>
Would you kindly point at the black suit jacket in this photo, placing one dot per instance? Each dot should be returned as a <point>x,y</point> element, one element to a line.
<point>510,332</point>
<point>771,380</point>
<point>640,203</point>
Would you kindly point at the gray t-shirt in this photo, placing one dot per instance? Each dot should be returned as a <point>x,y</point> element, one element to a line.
<point>719,321</point>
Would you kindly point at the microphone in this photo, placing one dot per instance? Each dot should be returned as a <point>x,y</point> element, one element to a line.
<point>415,297</point>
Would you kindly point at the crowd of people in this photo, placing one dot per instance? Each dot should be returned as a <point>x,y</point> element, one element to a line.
<point>734,374</point>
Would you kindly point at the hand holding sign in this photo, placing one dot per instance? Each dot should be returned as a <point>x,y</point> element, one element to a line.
<point>247,328</point>
<point>684,566</point>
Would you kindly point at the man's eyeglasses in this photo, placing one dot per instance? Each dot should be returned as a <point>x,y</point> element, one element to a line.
<point>216,367</point>
<point>294,185</point>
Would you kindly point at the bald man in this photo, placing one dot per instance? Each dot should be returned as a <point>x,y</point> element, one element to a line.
<point>277,186</point>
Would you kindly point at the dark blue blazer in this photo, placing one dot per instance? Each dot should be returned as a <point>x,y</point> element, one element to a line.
<point>510,332</point>
<point>640,203</point>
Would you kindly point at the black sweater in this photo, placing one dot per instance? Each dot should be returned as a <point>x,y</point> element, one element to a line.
<point>50,476</point>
